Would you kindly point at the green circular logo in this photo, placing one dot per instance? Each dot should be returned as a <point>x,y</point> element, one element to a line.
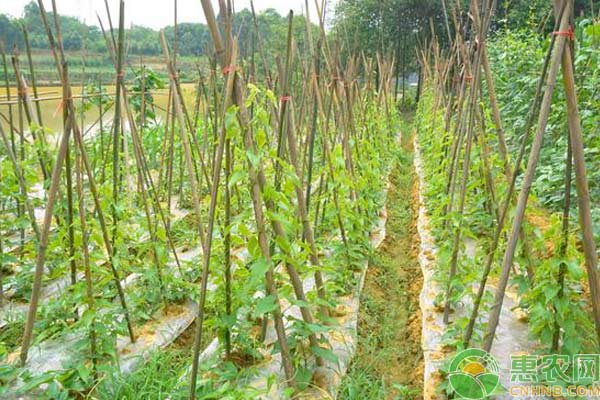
<point>474,374</point>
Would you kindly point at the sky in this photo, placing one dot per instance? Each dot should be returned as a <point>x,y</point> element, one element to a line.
<point>155,13</point>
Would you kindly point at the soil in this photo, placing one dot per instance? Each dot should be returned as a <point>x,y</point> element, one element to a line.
<point>185,341</point>
<point>241,359</point>
<point>540,219</point>
<point>390,318</point>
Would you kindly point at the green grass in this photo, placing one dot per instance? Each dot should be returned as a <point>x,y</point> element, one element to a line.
<point>389,353</point>
<point>157,379</point>
<point>362,384</point>
<point>10,337</point>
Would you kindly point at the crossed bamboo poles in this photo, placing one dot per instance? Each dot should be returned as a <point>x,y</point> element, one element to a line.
<point>342,96</point>
<point>469,65</point>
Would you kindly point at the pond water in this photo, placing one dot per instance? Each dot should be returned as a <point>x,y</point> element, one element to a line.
<point>52,113</point>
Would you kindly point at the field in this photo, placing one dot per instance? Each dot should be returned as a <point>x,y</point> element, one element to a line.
<point>293,216</point>
<point>97,67</point>
<point>51,99</point>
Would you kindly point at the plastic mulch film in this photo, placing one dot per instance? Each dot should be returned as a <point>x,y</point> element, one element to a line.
<point>511,334</point>
<point>326,380</point>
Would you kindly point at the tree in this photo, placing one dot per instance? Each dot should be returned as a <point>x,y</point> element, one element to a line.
<point>10,34</point>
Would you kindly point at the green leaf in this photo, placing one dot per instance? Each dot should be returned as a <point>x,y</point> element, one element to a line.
<point>34,382</point>
<point>259,268</point>
<point>253,247</point>
<point>236,177</point>
<point>318,328</point>
<point>265,305</point>
<point>87,317</point>
<point>283,244</point>
<point>550,292</point>
<point>253,158</point>
<point>326,354</point>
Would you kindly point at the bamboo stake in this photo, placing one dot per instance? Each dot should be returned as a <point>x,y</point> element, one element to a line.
<point>117,134</point>
<point>40,260</point>
<point>313,129</point>
<point>238,99</point>
<point>86,259</point>
<point>307,231</point>
<point>527,182</point>
<point>110,25</point>
<point>207,242</point>
<point>10,113</point>
<point>507,201</point>
<point>33,78</point>
<point>10,118</point>
<point>43,244</point>
<point>500,132</point>
<point>284,83</point>
<point>148,183</point>
<point>25,104</point>
<point>143,94</point>
<point>583,195</point>
<point>21,182</point>
<point>227,244</point>
<point>143,190</point>
<point>21,157</point>
<point>327,151</point>
<point>465,173</point>
<point>103,224</point>
<point>295,279</point>
<point>564,245</point>
<point>70,218</point>
<point>197,210</point>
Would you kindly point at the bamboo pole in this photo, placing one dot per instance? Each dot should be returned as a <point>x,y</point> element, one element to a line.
<point>238,98</point>
<point>583,194</point>
<point>287,112</point>
<point>207,242</point>
<point>21,182</point>
<point>62,150</point>
<point>534,155</point>
<point>43,243</point>
<point>227,243</point>
<point>8,96</point>
<point>33,77</point>
<point>25,104</point>
<point>89,291</point>
<point>509,196</point>
<point>10,120</point>
<point>117,134</point>
<point>472,110</point>
<point>502,147</point>
<point>564,245</point>
<point>313,128</point>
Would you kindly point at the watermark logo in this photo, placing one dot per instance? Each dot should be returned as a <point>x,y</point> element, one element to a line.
<point>474,374</point>
<point>555,375</point>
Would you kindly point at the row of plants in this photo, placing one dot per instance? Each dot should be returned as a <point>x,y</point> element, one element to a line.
<point>478,224</point>
<point>227,206</point>
<point>470,198</point>
<point>516,56</point>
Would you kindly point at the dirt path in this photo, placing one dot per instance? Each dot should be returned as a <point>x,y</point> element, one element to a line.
<point>389,362</point>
